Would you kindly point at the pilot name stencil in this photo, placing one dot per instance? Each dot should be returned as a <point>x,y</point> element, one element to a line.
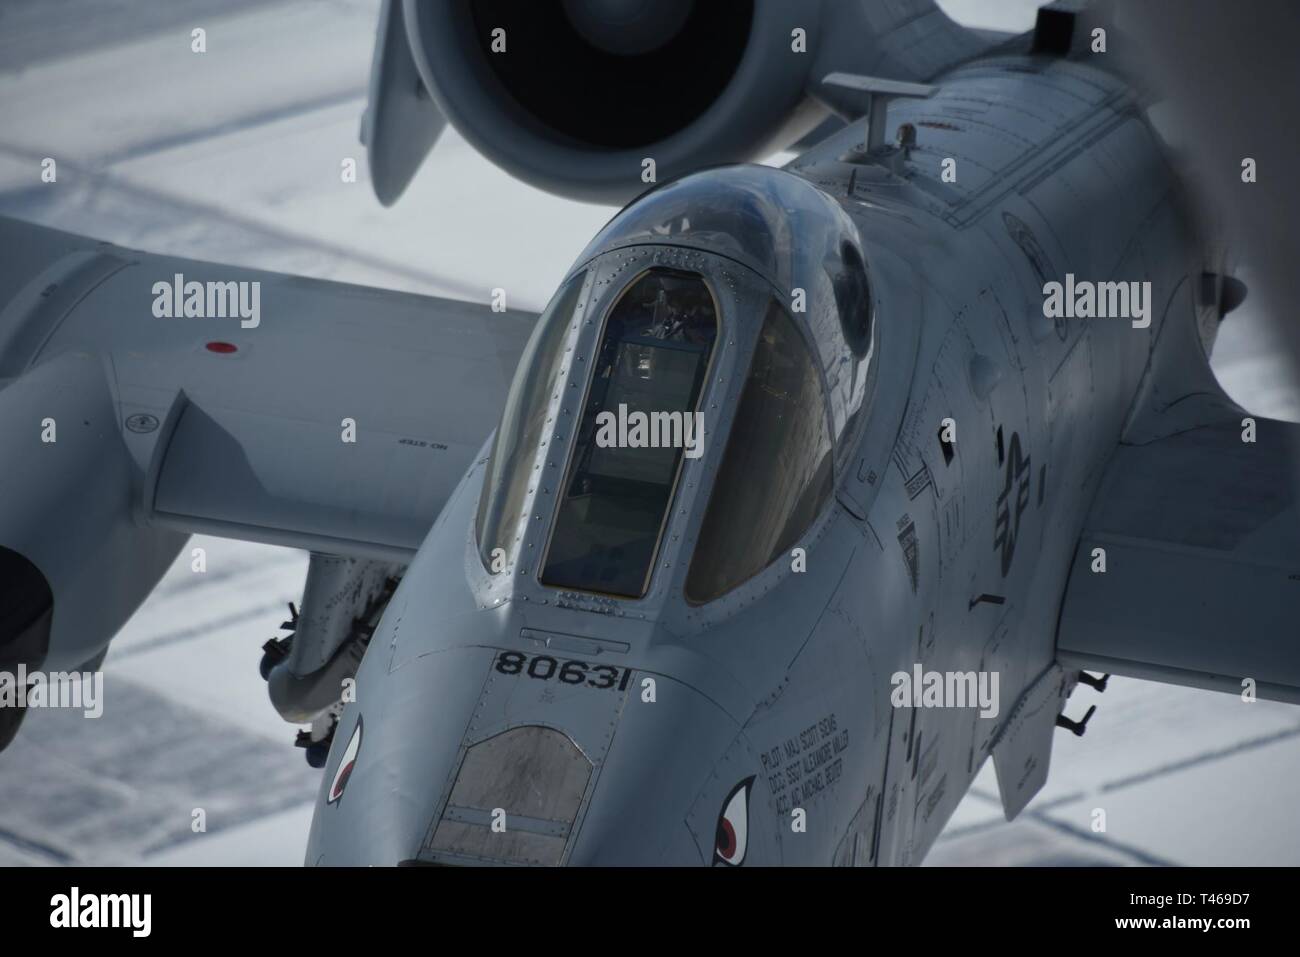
<point>805,764</point>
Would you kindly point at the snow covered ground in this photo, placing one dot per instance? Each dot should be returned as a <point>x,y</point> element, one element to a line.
<point>234,155</point>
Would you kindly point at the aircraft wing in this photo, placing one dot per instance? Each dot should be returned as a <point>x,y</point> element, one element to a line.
<point>1201,532</point>
<point>331,417</point>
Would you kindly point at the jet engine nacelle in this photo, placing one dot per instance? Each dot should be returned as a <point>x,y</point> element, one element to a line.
<point>684,84</point>
<point>76,562</point>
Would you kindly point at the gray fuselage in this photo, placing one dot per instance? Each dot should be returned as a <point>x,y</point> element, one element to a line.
<point>953,556</point>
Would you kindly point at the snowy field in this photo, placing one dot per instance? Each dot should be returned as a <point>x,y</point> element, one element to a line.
<point>234,156</point>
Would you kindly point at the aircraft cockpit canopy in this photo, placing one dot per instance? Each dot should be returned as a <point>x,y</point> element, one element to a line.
<point>651,360</point>
<point>737,297</point>
<point>788,231</point>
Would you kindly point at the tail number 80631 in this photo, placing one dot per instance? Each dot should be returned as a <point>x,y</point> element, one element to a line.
<point>546,668</point>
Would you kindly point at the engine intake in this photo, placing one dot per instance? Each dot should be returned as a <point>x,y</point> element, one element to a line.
<point>574,95</point>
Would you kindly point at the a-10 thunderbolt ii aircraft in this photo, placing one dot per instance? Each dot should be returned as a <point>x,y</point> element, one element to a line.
<point>814,487</point>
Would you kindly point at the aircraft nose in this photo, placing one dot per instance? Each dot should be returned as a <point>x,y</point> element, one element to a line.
<point>484,756</point>
<point>599,771</point>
